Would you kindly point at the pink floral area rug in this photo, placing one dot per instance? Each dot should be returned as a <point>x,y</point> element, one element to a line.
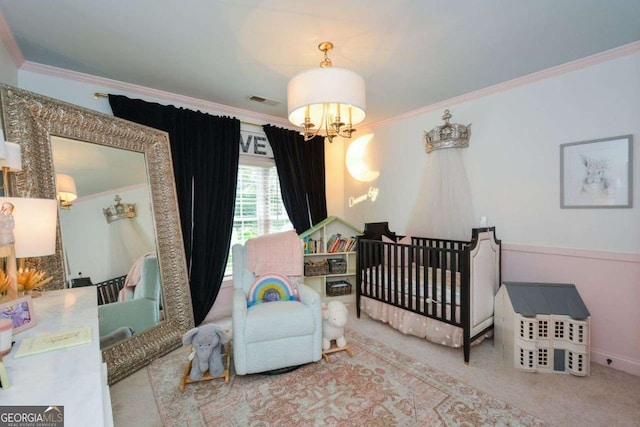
<point>376,387</point>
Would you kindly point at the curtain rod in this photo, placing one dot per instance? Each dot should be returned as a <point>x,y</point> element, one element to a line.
<point>97,95</point>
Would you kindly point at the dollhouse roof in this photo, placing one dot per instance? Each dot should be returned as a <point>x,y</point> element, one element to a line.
<point>531,299</point>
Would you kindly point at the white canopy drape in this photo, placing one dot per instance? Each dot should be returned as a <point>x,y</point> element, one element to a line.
<point>444,206</point>
<point>127,243</point>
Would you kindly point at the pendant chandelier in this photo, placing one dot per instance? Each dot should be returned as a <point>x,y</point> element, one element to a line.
<point>326,101</point>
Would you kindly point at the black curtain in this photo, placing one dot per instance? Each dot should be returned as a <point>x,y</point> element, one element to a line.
<point>205,151</point>
<point>301,171</point>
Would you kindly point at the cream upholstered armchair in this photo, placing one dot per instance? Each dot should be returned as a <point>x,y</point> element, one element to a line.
<point>274,335</point>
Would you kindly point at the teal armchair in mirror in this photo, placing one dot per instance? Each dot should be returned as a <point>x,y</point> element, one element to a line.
<point>139,309</point>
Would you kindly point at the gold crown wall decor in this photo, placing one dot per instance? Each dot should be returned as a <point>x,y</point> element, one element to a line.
<point>119,210</point>
<point>447,136</point>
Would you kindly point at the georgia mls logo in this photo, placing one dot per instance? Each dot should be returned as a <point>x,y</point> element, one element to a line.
<point>31,416</point>
<point>53,408</point>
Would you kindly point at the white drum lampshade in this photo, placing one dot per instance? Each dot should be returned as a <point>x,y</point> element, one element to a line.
<point>314,88</point>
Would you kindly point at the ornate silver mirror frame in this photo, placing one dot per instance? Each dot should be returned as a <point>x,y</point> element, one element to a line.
<point>29,119</point>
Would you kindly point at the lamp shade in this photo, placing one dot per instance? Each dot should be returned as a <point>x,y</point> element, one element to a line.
<point>3,149</point>
<point>35,226</point>
<point>66,188</point>
<point>318,86</point>
<point>12,156</point>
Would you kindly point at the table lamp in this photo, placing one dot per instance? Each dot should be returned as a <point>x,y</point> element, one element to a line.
<point>10,160</point>
<point>34,235</point>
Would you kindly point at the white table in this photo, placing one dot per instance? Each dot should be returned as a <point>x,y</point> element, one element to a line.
<point>73,377</point>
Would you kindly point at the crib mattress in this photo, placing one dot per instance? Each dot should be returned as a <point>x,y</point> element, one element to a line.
<point>385,288</point>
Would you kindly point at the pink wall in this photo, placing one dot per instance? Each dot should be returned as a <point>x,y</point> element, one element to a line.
<point>609,284</point>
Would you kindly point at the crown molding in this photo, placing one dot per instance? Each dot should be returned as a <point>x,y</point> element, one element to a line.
<point>153,93</point>
<point>588,61</point>
<point>9,42</point>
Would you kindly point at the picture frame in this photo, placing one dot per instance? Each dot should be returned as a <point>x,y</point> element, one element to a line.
<point>597,173</point>
<point>21,313</point>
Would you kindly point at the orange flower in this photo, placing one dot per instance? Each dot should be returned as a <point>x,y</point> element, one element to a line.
<point>29,279</point>
<point>5,282</point>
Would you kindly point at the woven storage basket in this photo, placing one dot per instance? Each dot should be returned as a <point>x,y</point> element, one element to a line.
<point>337,265</point>
<point>319,268</point>
<point>337,288</point>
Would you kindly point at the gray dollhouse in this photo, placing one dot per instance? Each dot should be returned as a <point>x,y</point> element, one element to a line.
<point>543,327</point>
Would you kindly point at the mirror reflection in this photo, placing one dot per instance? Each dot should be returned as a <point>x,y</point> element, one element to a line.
<point>107,232</point>
<point>32,119</point>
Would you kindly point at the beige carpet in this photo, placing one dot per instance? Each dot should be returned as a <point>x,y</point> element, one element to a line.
<point>377,386</point>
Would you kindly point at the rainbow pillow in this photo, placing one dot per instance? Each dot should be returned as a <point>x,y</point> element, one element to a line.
<point>271,287</point>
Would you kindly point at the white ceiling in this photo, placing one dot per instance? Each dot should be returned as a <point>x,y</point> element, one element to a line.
<point>411,53</point>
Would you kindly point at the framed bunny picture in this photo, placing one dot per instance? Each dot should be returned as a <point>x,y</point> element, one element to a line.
<point>597,173</point>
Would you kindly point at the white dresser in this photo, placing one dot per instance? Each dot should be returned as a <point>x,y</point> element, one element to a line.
<point>73,377</point>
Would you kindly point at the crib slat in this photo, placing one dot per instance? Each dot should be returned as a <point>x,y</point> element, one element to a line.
<point>453,285</point>
<point>442,284</point>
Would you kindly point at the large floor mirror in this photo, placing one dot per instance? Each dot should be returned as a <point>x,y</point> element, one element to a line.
<point>124,220</point>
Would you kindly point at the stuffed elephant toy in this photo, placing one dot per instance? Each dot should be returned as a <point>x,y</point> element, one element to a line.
<point>206,341</point>
<point>333,320</point>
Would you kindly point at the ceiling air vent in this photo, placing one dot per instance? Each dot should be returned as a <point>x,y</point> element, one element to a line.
<point>262,100</point>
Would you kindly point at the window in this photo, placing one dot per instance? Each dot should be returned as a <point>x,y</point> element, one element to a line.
<point>543,357</point>
<point>543,329</point>
<point>559,330</point>
<point>259,209</point>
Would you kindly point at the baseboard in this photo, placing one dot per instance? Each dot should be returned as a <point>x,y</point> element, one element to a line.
<point>615,361</point>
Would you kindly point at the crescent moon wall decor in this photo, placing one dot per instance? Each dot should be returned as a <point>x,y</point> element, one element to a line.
<point>356,165</point>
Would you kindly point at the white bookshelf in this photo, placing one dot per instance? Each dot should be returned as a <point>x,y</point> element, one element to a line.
<point>322,233</point>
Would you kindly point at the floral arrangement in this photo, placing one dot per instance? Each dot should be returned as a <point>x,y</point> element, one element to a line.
<point>5,283</point>
<point>30,278</point>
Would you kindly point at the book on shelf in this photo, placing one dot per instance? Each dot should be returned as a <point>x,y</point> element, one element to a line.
<point>332,242</point>
<point>352,243</point>
<point>341,244</point>
<point>336,243</point>
<point>313,246</point>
